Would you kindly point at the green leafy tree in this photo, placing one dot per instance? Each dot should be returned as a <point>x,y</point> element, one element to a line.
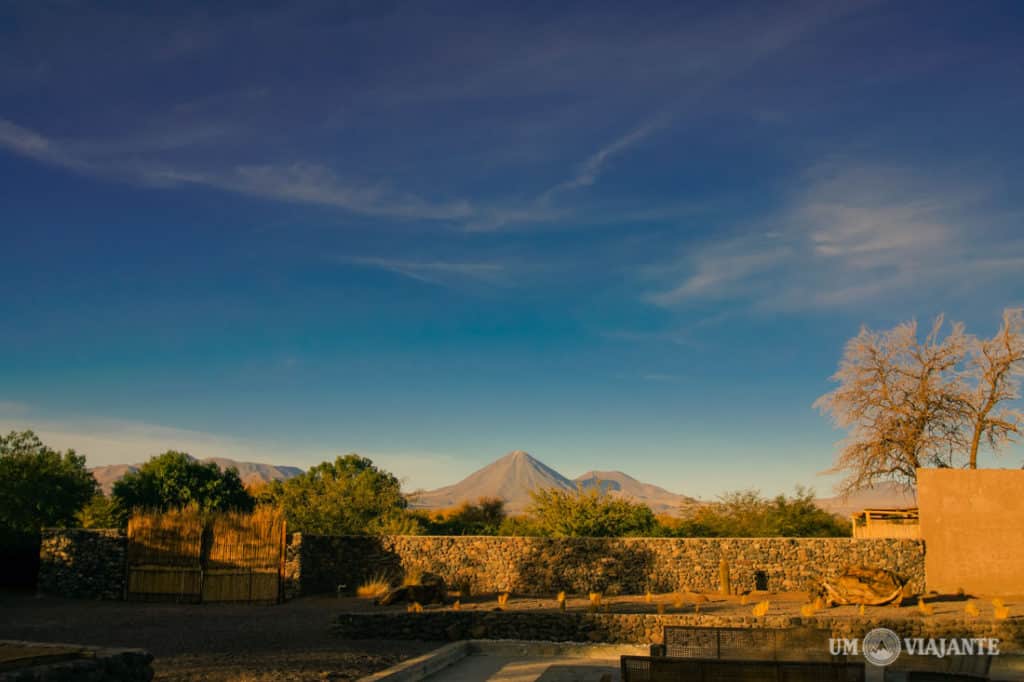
<point>483,517</point>
<point>579,513</point>
<point>40,486</point>
<point>100,512</point>
<point>349,496</point>
<point>519,526</point>
<point>745,513</point>
<point>401,522</point>
<point>175,479</point>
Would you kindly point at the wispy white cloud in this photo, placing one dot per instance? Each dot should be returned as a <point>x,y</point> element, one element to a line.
<point>853,234</point>
<point>319,185</point>
<point>434,272</point>
<point>591,169</point>
<point>661,377</point>
<point>28,143</point>
<point>294,182</point>
<point>682,335</point>
<point>518,59</point>
<point>118,441</point>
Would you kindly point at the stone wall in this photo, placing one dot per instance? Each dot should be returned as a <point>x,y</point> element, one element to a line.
<point>634,628</point>
<point>529,565</point>
<point>76,562</point>
<point>91,563</point>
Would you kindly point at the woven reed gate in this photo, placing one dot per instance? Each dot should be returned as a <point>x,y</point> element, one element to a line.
<point>245,557</point>
<point>180,556</point>
<point>164,556</point>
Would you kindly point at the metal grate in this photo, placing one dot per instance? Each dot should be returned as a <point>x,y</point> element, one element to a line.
<point>648,669</point>
<point>925,676</point>
<point>766,644</point>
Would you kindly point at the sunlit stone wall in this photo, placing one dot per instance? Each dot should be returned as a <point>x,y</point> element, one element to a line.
<point>530,565</point>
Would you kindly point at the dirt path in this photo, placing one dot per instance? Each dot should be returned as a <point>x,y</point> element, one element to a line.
<point>221,643</point>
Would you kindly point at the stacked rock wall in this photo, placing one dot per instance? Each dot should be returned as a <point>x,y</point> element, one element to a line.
<point>91,563</point>
<point>83,563</point>
<point>635,628</point>
<point>543,566</point>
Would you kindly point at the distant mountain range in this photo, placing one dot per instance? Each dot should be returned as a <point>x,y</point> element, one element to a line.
<point>882,496</point>
<point>251,473</point>
<point>513,477</point>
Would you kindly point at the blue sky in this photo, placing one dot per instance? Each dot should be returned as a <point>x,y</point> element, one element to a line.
<point>436,232</point>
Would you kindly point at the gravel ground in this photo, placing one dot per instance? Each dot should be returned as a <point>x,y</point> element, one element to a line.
<point>220,643</point>
<point>291,641</point>
<point>939,607</point>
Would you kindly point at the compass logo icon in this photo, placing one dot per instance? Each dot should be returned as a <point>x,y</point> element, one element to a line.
<point>881,646</point>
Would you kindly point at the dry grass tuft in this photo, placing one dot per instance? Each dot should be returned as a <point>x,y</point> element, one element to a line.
<point>971,610</point>
<point>413,576</point>
<point>377,586</point>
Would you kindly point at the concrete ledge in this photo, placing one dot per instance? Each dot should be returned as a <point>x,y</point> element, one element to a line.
<point>30,661</point>
<point>419,668</point>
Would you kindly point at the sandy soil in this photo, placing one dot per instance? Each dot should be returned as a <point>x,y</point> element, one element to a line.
<point>220,643</point>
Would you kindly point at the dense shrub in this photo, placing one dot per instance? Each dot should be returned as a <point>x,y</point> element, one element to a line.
<point>349,496</point>
<point>174,480</point>
<point>746,513</point>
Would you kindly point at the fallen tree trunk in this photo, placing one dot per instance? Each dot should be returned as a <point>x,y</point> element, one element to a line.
<point>862,585</point>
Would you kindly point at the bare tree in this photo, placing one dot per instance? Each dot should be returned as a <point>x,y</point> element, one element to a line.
<point>901,400</point>
<point>992,378</point>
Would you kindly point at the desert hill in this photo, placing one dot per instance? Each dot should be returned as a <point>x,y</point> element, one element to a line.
<point>251,473</point>
<point>881,496</point>
<point>619,484</point>
<point>510,478</point>
<point>513,477</point>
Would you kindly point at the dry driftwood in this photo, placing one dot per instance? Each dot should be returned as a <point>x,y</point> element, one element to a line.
<point>862,585</point>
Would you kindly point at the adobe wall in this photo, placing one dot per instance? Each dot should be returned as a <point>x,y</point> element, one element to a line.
<point>972,522</point>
